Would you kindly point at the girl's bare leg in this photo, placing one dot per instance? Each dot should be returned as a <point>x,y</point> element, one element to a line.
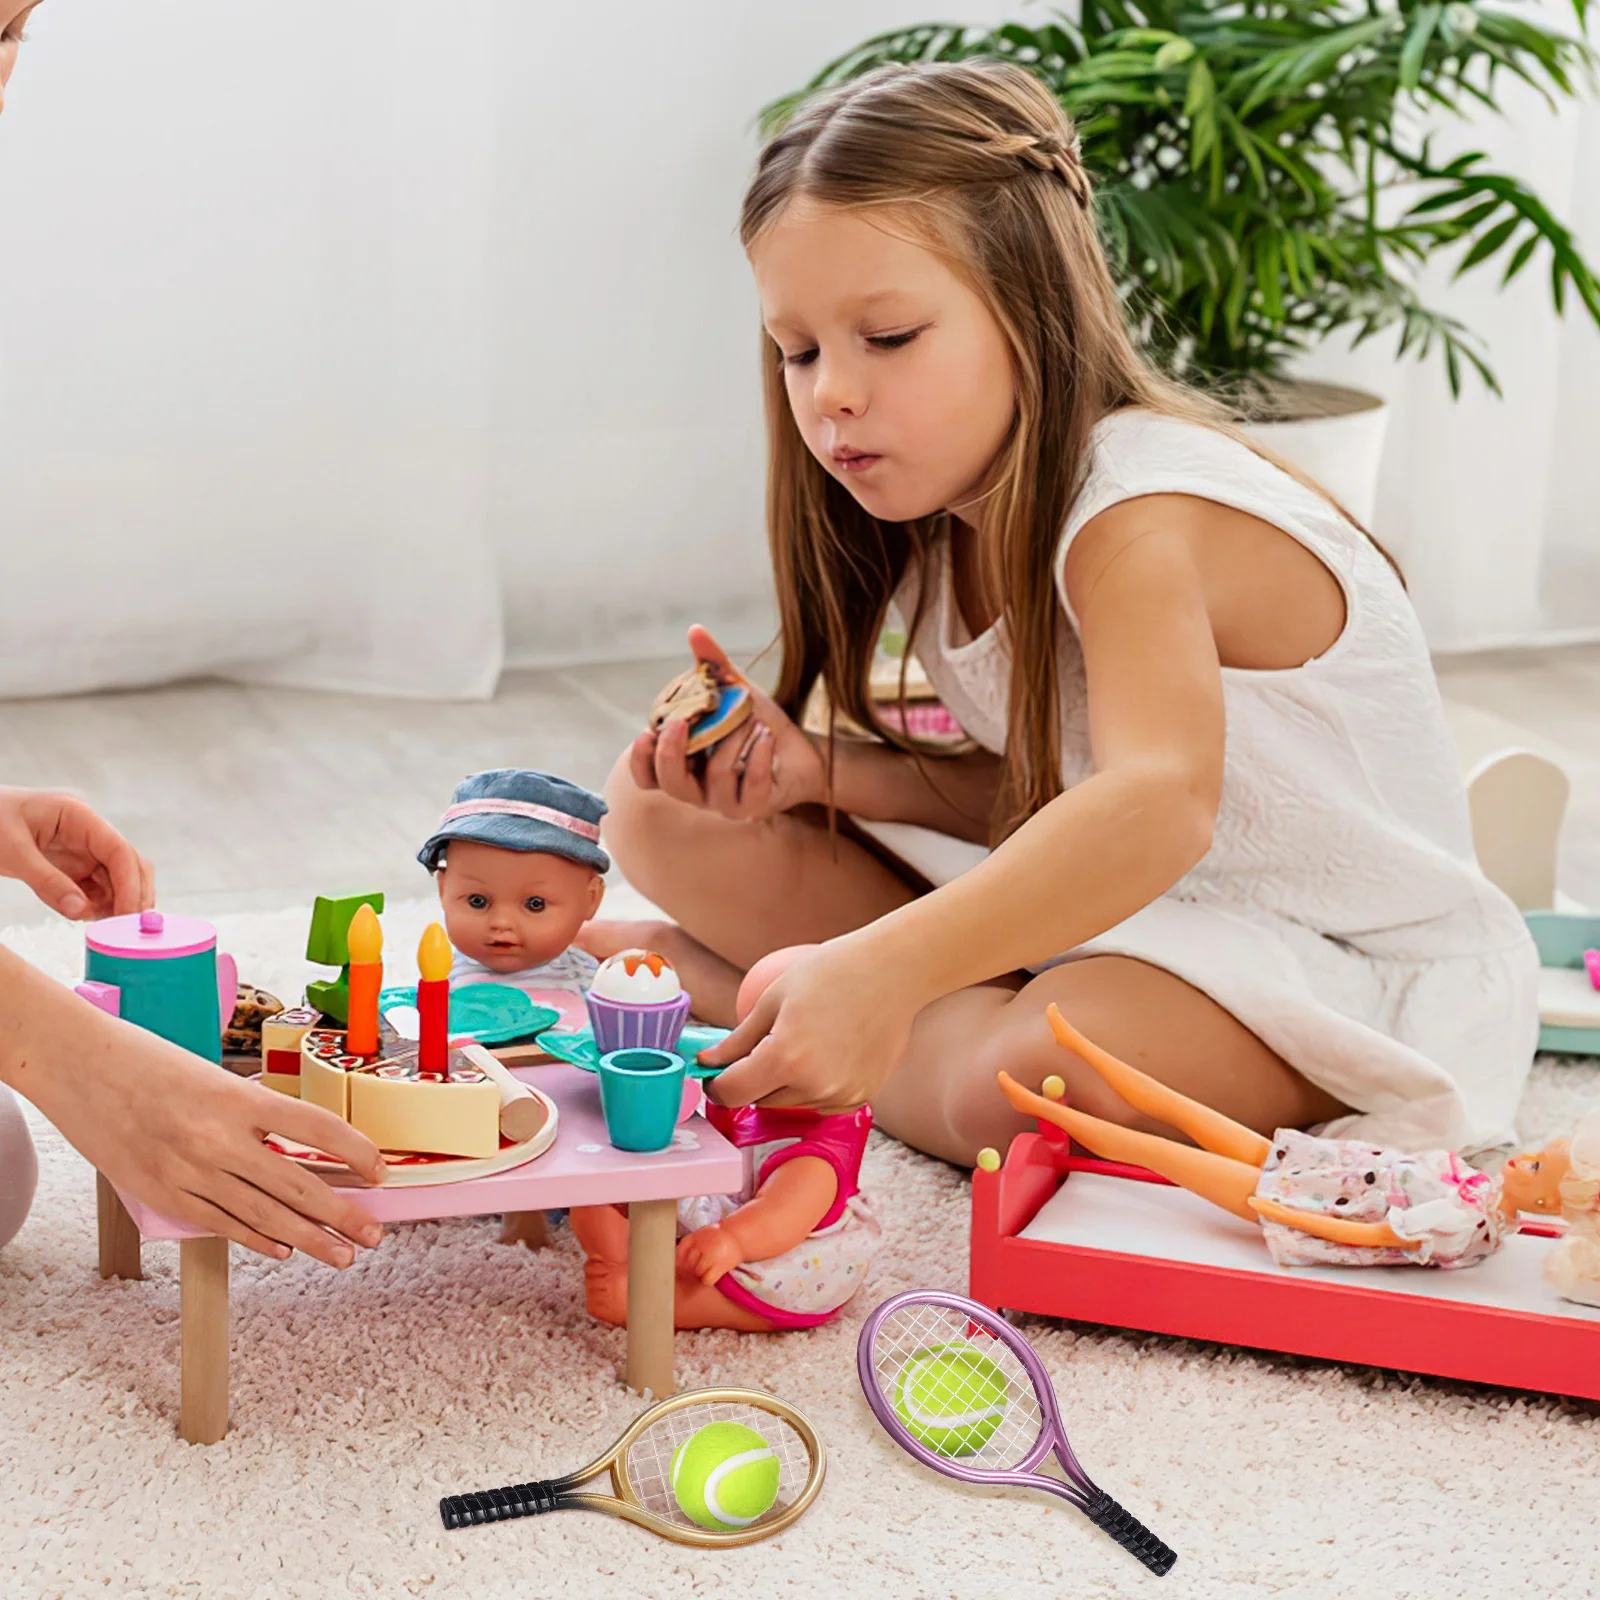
<point>944,1098</point>
<point>740,890</point>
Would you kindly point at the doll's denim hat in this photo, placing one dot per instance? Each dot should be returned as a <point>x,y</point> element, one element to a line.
<point>517,809</point>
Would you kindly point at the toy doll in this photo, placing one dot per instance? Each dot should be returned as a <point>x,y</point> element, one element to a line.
<point>1573,1266</point>
<point>788,1250</point>
<point>1321,1202</point>
<point>518,864</point>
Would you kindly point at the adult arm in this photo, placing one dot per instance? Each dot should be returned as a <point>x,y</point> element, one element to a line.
<point>180,1134</point>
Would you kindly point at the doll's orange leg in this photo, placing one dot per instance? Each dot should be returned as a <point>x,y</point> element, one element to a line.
<point>1209,1129</point>
<point>1336,1230</point>
<point>1217,1178</point>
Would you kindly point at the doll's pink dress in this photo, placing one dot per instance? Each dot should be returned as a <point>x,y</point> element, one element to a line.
<point>1433,1196</point>
<point>809,1284</point>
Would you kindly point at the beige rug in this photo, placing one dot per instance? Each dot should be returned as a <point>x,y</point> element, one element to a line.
<point>445,1362</point>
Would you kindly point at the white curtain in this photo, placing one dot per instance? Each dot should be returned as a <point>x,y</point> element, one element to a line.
<point>358,348</point>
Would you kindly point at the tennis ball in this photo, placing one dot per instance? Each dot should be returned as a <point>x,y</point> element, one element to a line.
<point>724,1476</point>
<point>952,1399</point>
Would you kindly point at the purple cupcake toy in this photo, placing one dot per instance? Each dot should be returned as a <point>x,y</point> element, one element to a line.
<point>636,1002</point>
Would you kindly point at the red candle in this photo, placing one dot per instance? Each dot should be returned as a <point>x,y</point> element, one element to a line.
<point>433,1002</point>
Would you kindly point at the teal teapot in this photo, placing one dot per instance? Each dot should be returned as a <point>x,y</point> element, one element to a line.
<point>164,973</point>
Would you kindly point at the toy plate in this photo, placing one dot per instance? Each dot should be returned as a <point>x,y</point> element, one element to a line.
<point>579,1049</point>
<point>411,1168</point>
<point>493,1013</point>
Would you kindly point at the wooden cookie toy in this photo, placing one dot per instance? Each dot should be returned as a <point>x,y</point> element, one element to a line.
<point>713,700</point>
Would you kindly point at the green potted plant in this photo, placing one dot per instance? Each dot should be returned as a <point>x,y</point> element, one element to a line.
<point>1264,179</point>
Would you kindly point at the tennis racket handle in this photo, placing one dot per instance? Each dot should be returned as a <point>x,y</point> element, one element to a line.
<point>1131,1534</point>
<point>500,1505</point>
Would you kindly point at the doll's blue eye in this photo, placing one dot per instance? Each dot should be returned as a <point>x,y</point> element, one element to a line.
<point>534,902</point>
<point>478,902</point>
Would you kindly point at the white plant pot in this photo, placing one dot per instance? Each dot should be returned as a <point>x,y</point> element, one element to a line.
<point>1338,442</point>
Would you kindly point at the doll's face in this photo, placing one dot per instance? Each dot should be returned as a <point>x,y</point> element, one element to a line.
<point>1532,1181</point>
<point>514,909</point>
<point>13,18</point>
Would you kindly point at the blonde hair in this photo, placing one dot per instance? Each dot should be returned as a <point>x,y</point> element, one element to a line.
<point>984,164</point>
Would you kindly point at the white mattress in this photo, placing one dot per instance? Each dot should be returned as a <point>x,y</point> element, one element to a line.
<point>1147,1219</point>
<point>1567,999</point>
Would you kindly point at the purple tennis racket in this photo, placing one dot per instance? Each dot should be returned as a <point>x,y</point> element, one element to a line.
<point>961,1391</point>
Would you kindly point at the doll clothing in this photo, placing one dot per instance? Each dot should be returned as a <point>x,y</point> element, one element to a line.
<point>1433,1196</point>
<point>1339,914</point>
<point>809,1284</point>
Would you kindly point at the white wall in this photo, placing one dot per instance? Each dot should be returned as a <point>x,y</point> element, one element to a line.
<point>322,330</point>
<point>309,320</point>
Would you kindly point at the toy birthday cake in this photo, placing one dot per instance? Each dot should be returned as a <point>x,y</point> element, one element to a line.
<point>426,1096</point>
<point>389,1098</point>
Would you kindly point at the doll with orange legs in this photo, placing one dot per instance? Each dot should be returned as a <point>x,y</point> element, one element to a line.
<point>1321,1202</point>
<point>788,1250</point>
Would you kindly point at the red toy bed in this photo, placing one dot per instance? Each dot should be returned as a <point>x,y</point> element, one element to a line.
<point>1072,1236</point>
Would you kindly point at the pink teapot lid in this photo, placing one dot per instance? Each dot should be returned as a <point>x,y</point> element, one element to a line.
<point>150,935</point>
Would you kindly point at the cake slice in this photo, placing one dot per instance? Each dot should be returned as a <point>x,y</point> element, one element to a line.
<point>281,1037</point>
<point>400,1109</point>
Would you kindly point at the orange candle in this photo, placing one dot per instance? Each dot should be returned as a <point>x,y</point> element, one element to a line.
<point>434,958</point>
<point>366,979</point>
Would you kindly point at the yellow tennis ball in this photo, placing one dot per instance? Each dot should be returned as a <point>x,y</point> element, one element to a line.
<point>989,1159</point>
<point>951,1399</point>
<point>724,1476</point>
<point>1053,1088</point>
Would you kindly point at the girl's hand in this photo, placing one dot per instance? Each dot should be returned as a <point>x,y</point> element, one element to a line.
<point>764,767</point>
<point>184,1136</point>
<point>827,1033</point>
<point>708,1254</point>
<point>75,861</point>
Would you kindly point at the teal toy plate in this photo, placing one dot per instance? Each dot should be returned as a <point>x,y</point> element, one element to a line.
<point>493,1013</point>
<point>579,1049</point>
<point>1562,937</point>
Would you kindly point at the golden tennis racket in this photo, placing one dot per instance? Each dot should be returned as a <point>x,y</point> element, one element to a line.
<point>640,1464</point>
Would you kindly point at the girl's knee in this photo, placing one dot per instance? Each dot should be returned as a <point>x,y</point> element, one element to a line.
<point>639,822</point>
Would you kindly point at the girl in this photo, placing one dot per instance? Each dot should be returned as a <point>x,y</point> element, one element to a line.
<point>1229,836</point>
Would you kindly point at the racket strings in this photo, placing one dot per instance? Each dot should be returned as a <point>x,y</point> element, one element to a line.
<point>650,1456</point>
<point>900,1354</point>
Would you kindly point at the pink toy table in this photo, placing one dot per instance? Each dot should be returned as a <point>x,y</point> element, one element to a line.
<point>580,1168</point>
<point>1069,1236</point>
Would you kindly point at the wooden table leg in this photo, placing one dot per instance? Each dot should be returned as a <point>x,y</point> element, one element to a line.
<point>119,1236</point>
<point>652,1281</point>
<point>203,1270</point>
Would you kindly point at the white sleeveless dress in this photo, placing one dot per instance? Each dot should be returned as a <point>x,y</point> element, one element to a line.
<point>1339,913</point>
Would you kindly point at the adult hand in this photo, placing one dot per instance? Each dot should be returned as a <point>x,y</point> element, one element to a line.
<point>827,1033</point>
<point>767,765</point>
<point>176,1132</point>
<point>74,860</point>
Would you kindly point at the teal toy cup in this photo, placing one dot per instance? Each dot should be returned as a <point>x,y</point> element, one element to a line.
<point>641,1092</point>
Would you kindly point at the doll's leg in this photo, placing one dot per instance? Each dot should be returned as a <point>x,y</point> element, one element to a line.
<point>1209,1129</point>
<point>603,1233</point>
<point>1219,1179</point>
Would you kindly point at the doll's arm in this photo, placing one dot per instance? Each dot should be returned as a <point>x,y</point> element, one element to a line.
<point>790,1205</point>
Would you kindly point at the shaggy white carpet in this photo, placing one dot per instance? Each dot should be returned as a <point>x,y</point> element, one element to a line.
<point>445,1362</point>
